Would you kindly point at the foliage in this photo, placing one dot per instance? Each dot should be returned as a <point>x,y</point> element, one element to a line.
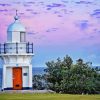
<point>39,82</point>
<point>65,77</point>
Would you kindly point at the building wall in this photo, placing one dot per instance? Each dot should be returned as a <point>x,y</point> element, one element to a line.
<point>25,74</point>
<point>17,59</point>
<point>8,76</point>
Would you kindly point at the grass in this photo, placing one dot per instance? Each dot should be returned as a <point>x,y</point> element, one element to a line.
<point>27,96</point>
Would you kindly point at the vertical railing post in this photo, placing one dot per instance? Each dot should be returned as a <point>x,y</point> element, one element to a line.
<point>16,47</point>
<point>28,47</point>
<point>32,47</point>
<point>4,48</point>
<point>0,48</point>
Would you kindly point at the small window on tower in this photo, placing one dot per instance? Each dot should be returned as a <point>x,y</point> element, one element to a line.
<point>25,74</point>
<point>22,37</point>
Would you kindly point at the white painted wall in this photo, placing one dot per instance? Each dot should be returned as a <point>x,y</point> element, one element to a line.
<point>25,78</point>
<point>9,80</point>
<point>8,75</point>
<point>17,59</point>
<point>4,77</point>
<point>30,76</point>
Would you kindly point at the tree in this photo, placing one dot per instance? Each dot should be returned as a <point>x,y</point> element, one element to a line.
<point>66,77</point>
<point>38,82</point>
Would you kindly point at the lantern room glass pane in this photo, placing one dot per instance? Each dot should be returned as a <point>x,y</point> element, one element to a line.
<point>22,37</point>
<point>9,36</point>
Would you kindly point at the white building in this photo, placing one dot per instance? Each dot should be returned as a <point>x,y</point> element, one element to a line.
<point>17,55</point>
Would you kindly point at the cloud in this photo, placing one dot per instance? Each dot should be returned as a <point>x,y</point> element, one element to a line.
<point>51,22</point>
<point>26,5</point>
<point>32,33</point>
<point>4,4</point>
<point>38,37</point>
<point>42,3</point>
<point>83,2</point>
<point>30,2</point>
<point>65,11</point>
<point>65,1</point>
<point>21,13</point>
<point>96,13</point>
<point>83,24</point>
<point>34,13</point>
<point>3,10</point>
<point>54,5</point>
<point>48,8</point>
<point>29,9</point>
<point>52,29</point>
<point>60,16</point>
<point>16,2</point>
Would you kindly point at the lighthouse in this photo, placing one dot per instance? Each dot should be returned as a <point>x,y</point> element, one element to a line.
<point>17,55</point>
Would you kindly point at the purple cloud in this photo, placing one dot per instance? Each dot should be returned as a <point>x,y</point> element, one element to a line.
<point>83,2</point>
<point>55,5</point>
<point>52,29</point>
<point>3,4</point>
<point>65,1</point>
<point>29,9</point>
<point>83,24</point>
<point>96,13</point>
<point>3,10</point>
<point>31,2</point>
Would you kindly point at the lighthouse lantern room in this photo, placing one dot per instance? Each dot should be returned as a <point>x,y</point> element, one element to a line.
<point>17,55</point>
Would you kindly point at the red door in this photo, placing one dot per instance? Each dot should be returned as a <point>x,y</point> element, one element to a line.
<point>17,78</point>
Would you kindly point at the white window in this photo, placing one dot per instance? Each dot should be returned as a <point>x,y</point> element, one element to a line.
<point>22,37</point>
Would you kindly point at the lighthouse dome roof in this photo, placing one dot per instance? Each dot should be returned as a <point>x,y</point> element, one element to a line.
<point>16,26</point>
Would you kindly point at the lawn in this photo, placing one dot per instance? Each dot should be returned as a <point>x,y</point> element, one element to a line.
<point>27,96</point>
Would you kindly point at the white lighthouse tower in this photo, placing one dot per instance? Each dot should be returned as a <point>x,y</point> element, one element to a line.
<point>17,55</point>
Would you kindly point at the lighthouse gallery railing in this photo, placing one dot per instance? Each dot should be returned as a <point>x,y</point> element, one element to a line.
<point>16,48</point>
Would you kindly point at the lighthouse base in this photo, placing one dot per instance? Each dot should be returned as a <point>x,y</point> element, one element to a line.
<point>24,88</point>
<point>17,77</point>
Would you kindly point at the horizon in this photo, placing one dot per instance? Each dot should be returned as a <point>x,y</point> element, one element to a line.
<point>56,27</point>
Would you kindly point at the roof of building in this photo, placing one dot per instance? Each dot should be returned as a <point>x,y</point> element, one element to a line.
<point>16,26</point>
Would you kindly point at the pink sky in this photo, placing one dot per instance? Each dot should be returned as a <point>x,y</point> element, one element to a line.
<point>56,27</point>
